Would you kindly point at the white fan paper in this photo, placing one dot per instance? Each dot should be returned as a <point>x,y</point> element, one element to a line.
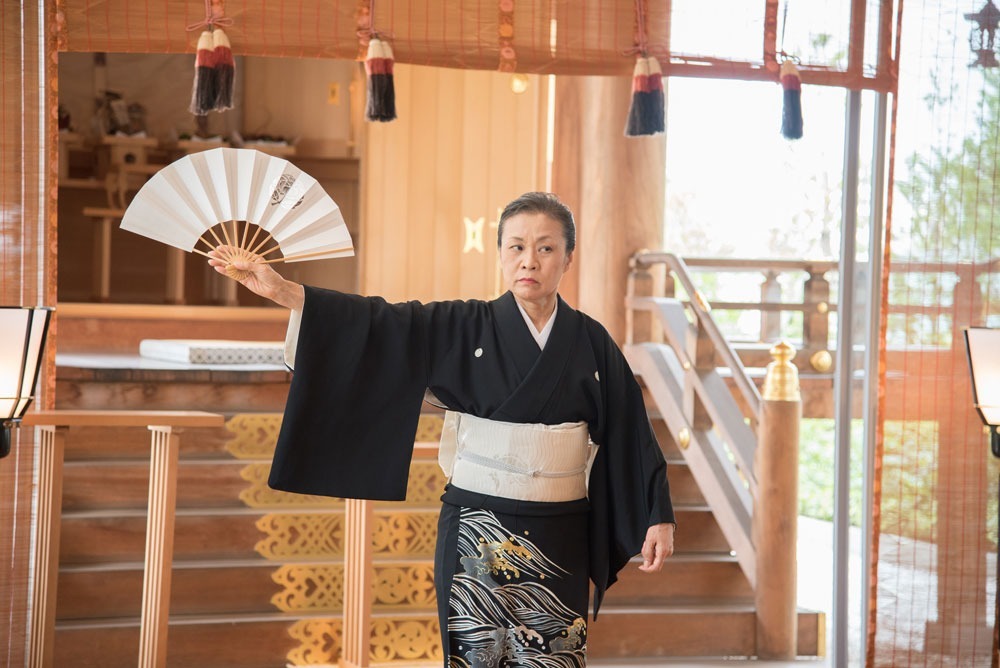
<point>223,187</point>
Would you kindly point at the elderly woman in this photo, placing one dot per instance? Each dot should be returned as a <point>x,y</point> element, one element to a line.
<point>555,477</point>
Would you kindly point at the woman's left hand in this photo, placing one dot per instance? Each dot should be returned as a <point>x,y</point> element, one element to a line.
<point>659,545</point>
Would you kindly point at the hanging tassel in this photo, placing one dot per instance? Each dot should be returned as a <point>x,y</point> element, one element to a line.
<point>646,113</point>
<point>205,88</point>
<point>381,91</point>
<point>225,70</point>
<point>791,110</point>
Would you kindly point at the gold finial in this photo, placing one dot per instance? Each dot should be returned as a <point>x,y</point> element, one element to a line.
<point>821,360</point>
<point>684,438</point>
<point>822,308</point>
<point>782,380</point>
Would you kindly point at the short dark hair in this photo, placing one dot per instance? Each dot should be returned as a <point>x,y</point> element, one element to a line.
<point>546,203</point>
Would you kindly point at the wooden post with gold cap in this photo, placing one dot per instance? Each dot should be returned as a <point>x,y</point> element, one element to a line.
<point>775,511</point>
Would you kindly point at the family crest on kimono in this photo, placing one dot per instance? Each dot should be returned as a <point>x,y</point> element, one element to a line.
<point>555,479</point>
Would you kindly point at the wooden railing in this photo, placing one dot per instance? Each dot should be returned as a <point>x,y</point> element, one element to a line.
<point>743,455</point>
<point>816,305</point>
<point>54,427</point>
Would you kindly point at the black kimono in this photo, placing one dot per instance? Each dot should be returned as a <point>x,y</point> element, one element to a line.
<point>362,368</point>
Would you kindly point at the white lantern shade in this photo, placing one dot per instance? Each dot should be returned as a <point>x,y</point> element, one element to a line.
<point>22,337</point>
<point>983,346</point>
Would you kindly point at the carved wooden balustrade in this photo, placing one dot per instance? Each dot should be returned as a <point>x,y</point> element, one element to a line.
<point>166,427</point>
<point>815,307</point>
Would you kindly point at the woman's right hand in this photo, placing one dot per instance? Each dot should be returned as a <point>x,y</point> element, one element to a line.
<point>261,279</point>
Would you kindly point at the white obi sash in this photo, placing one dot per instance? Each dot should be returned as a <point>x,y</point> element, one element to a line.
<point>528,462</point>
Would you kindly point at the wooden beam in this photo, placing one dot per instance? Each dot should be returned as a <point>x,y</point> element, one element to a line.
<point>715,68</point>
<point>96,418</point>
<point>156,312</point>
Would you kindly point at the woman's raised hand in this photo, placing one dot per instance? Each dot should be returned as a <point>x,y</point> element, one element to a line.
<point>261,279</point>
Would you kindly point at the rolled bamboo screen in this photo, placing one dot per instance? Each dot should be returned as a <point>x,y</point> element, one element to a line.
<point>590,36</point>
<point>27,253</point>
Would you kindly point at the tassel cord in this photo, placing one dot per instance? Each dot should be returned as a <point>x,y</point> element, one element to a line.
<point>215,11</point>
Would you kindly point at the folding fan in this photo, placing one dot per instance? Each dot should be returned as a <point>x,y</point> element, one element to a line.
<point>238,201</point>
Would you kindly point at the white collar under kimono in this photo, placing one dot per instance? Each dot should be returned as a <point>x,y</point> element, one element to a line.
<point>543,336</point>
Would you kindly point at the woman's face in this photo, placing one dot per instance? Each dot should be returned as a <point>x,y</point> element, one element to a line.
<point>533,256</point>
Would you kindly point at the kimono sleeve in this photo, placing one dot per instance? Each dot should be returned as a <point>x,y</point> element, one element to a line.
<point>360,373</point>
<point>628,487</point>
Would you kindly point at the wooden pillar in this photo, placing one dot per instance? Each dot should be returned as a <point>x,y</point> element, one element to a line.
<point>565,183</point>
<point>51,449</point>
<point>619,183</point>
<point>159,547</point>
<point>358,583</point>
<point>775,512</point>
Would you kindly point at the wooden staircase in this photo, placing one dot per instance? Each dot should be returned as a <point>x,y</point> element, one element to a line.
<point>257,577</point>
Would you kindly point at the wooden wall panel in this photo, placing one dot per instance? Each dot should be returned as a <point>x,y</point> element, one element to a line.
<point>321,125</point>
<point>463,146</point>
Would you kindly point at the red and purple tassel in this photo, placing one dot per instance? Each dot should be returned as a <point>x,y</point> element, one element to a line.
<point>225,70</point>
<point>646,113</point>
<point>791,110</point>
<point>381,104</point>
<point>205,89</point>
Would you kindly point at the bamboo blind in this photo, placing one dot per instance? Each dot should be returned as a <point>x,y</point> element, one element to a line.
<point>27,250</point>
<point>565,36</point>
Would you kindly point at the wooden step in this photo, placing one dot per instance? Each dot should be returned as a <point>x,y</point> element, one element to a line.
<point>686,577</point>
<point>689,631</point>
<point>683,488</point>
<point>90,538</point>
<point>115,590</point>
<point>244,586</point>
<point>224,642</point>
<point>111,484</point>
<point>264,641</point>
<point>120,443</point>
<point>119,535</point>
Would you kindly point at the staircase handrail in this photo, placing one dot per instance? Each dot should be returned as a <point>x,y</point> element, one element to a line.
<point>702,311</point>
